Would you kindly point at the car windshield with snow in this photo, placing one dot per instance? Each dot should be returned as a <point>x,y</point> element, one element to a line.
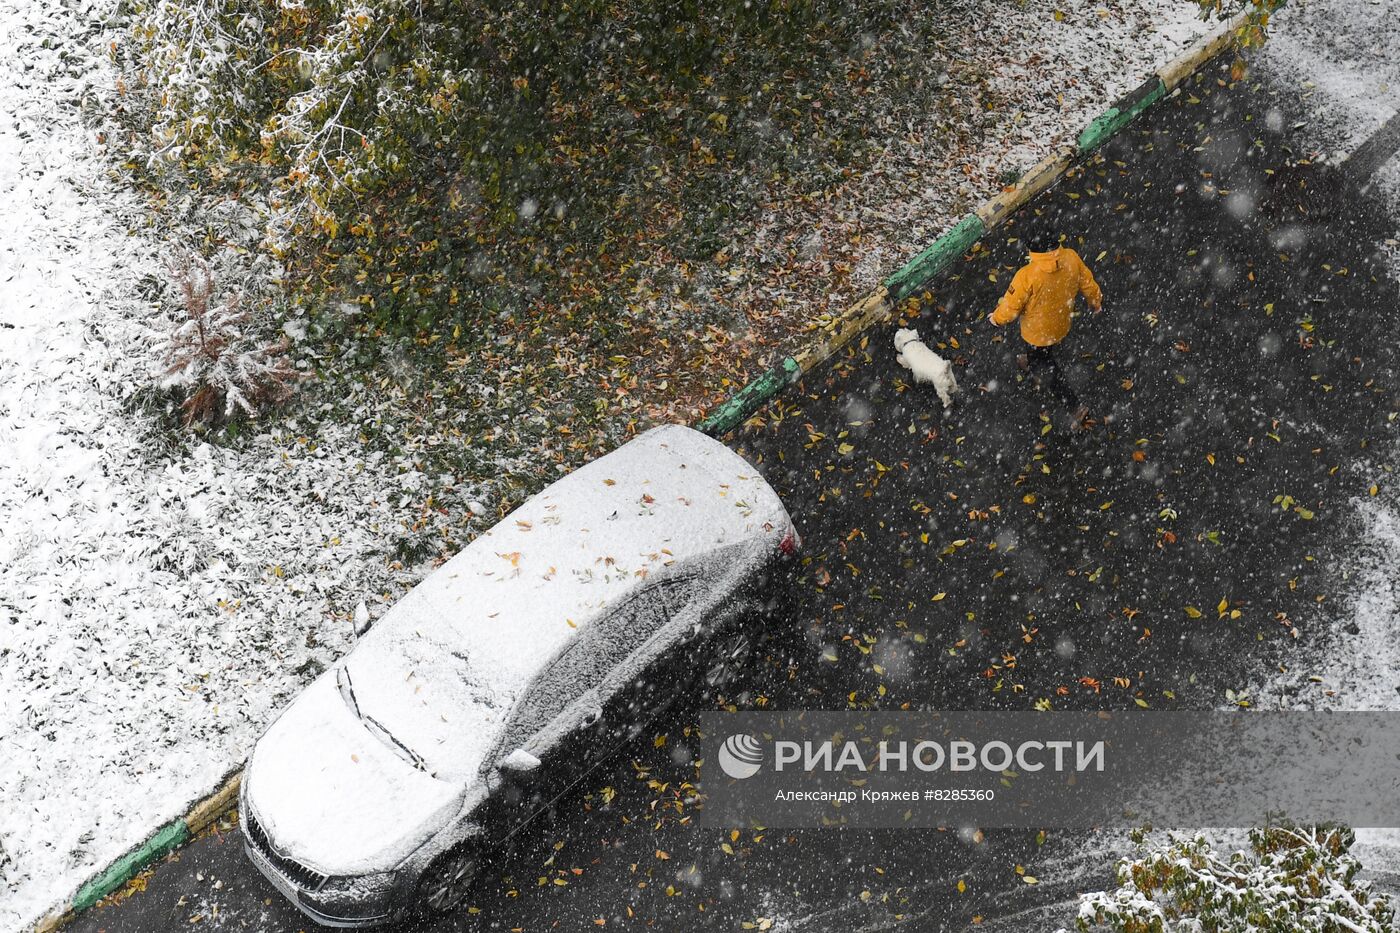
<point>508,673</point>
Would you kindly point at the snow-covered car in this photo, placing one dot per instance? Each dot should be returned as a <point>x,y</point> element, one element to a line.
<point>510,672</point>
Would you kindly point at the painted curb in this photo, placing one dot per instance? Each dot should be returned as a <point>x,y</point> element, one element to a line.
<point>937,257</point>
<point>1124,111</point>
<point>750,399</point>
<point>52,921</point>
<point>835,331</point>
<point>211,808</point>
<point>1201,51</point>
<point>1036,179</point>
<point>165,840</point>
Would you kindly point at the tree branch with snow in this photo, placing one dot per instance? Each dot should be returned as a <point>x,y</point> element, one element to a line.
<point>1289,880</point>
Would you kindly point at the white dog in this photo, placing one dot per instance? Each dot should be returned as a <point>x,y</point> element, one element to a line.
<point>926,365</point>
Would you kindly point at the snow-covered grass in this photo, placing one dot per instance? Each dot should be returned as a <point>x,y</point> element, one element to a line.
<point>160,601</point>
<point>163,597</point>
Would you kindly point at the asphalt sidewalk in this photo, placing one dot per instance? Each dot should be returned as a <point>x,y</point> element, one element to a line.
<point>1240,381</point>
<point>1243,382</point>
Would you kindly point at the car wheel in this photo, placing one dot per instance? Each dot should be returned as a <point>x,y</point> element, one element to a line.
<point>446,882</point>
<point>729,655</point>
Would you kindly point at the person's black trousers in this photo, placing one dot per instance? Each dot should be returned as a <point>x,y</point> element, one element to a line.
<point>1045,369</point>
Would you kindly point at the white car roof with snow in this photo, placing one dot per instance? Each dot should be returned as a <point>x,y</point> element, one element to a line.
<point>442,668</point>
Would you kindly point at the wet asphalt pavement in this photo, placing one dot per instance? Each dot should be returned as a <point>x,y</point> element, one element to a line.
<point>1242,383</point>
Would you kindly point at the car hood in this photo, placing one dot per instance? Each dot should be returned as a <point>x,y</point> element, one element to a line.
<point>338,796</point>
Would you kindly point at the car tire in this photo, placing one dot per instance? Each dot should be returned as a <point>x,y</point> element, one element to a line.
<point>448,880</point>
<point>727,657</point>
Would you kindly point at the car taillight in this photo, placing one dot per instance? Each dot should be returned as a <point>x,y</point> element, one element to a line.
<point>790,543</point>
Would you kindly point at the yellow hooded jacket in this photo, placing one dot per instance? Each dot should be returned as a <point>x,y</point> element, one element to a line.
<point>1042,295</point>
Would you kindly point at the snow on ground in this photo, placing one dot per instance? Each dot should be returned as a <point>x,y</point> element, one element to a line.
<point>159,604</point>
<point>1343,56</point>
<point>1358,667</point>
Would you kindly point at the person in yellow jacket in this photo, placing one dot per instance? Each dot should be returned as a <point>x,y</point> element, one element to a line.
<point>1042,295</point>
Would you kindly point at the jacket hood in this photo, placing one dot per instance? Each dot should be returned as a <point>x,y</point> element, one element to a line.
<point>337,796</point>
<point>1049,256</point>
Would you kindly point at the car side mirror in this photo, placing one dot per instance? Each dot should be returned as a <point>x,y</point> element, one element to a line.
<point>519,765</point>
<point>589,716</point>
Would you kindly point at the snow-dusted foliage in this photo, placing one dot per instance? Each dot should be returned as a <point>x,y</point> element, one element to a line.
<point>1289,880</point>
<point>366,88</point>
<point>213,355</point>
<point>201,60</point>
<point>1254,31</point>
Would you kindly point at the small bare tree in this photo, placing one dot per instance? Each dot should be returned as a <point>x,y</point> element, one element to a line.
<point>213,356</point>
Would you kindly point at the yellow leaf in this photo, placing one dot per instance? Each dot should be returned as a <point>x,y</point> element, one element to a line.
<point>938,596</point>
<point>1222,607</point>
<point>1193,612</point>
<point>962,886</point>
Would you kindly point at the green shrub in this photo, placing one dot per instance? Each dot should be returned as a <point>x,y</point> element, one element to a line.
<point>1290,880</point>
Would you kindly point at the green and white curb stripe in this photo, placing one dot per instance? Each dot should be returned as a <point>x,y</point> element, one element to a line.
<point>751,398</point>
<point>937,257</point>
<point>165,840</point>
<point>835,331</point>
<point>1124,111</point>
<point>832,333</point>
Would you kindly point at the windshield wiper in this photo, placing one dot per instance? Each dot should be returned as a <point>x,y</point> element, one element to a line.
<point>373,726</point>
<point>347,690</point>
<point>400,749</point>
